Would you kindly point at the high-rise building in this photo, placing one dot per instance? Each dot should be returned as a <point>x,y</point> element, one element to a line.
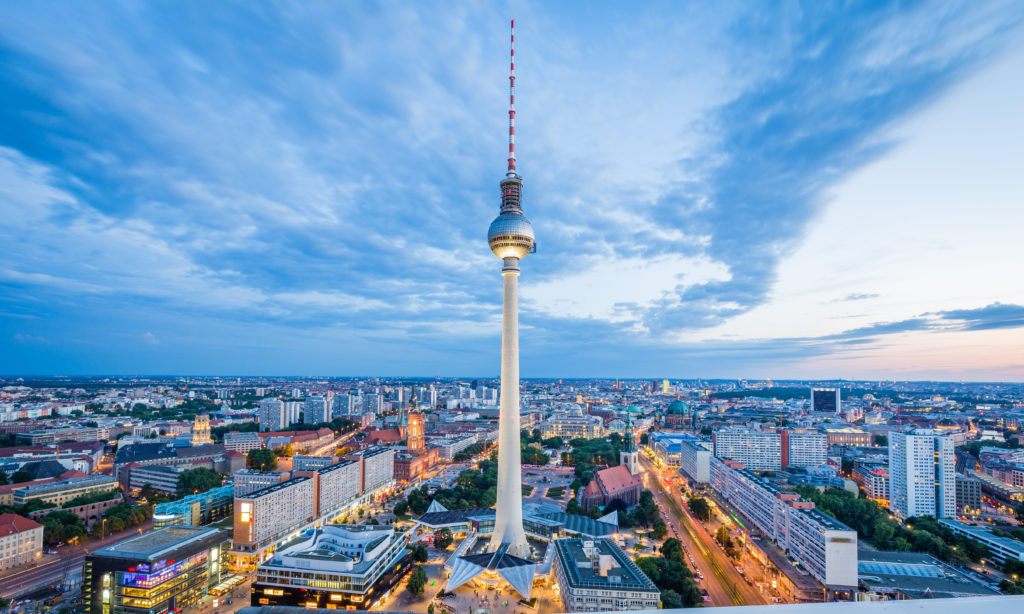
<point>373,403</point>
<point>316,410</point>
<point>805,449</point>
<point>922,474</point>
<point>271,414</point>
<point>825,400</point>
<point>758,450</point>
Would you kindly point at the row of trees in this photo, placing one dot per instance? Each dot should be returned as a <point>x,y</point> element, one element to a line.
<point>873,523</point>
<point>672,577</point>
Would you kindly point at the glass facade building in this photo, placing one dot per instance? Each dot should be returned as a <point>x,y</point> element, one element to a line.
<point>161,571</point>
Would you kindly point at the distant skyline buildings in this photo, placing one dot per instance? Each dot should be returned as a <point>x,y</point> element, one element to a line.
<point>822,197</point>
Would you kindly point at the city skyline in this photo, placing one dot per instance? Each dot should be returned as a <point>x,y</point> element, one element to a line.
<point>799,193</point>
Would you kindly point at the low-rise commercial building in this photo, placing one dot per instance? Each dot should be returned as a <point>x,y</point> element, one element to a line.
<point>337,567</point>
<point>242,442</point>
<point>63,491</point>
<point>595,575</point>
<point>1001,548</point>
<point>161,571</point>
<point>196,510</point>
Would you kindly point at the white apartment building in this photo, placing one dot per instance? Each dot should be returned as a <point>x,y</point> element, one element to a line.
<point>339,484</point>
<point>377,467</point>
<point>804,448</point>
<point>315,410</point>
<point>264,515</point>
<point>21,541</point>
<point>271,414</point>
<point>823,546</point>
<point>695,461</point>
<point>922,474</point>
<point>757,450</point>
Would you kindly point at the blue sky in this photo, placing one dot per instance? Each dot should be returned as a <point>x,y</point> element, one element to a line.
<point>719,190</point>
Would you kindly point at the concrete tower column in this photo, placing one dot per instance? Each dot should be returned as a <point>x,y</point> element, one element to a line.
<point>508,521</point>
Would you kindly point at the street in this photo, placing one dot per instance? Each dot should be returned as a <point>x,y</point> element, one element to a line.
<point>725,585</point>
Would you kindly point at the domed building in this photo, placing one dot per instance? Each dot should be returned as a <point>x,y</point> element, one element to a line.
<point>678,414</point>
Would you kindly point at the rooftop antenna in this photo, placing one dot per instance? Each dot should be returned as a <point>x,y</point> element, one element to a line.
<point>512,102</point>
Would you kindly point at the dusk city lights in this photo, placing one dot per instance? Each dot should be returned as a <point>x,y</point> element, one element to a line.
<point>511,308</point>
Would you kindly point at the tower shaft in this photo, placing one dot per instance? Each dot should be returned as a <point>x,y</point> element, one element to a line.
<point>508,521</point>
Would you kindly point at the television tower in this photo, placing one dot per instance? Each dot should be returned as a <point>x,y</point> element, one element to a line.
<point>510,237</point>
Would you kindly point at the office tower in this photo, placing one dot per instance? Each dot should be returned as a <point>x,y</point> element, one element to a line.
<point>825,400</point>
<point>315,410</point>
<point>922,474</point>
<point>510,237</point>
<point>271,414</point>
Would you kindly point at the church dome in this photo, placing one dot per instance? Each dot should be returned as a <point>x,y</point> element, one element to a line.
<point>678,407</point>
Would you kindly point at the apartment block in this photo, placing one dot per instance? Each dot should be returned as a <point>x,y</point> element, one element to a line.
<point>921,474</point>
<point>823,546</point>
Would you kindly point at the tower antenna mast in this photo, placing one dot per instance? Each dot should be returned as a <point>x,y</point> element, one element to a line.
<point>512,101</point>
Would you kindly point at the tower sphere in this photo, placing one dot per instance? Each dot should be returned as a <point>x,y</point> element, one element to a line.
<point>510,235</point>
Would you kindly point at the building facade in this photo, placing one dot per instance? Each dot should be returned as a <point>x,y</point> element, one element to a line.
<point>804,449</point>
<point>21,541</point>
<point>823,546</point>
<point>272,414</point>
<point>196,510</point>
<point>161,571</point>
<point>757,450</point>
<point>921,474</point>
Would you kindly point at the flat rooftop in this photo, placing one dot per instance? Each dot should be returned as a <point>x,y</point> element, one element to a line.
<point>579,559</point>
<point>155,544</point>
<point>916,575</point>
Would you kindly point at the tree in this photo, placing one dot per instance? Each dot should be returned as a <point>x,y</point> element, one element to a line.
<point>660,530</point>
<point>671,599</point>
<point>881,440</point>
<point>1020,513</point>
<point>417,582</point>
<point>443,539</point>
<point>420,554</point>
<point>430,609</point>
<point>3,477</point>
<point>198,480</point>
<point>699,507</point>
<point>644,439</point>
<point>287,451</point>
<point>21,476</point>
<point>261,459</point>
<point>574,507</point>
<point>401,508</point>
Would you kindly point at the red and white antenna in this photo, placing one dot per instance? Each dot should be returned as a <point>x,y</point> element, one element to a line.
<point>512,102</point>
